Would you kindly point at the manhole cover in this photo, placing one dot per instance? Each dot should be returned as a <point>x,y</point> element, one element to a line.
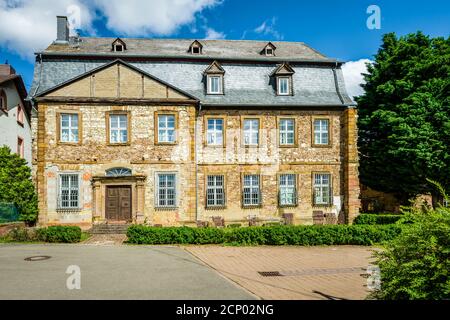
<point>37,258</point>
<point>270,273</point>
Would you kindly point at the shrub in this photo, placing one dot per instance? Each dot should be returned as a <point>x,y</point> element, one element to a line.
<point>416,264</point>
<point>21,234</point>
<point>63,234</point>
<point>275,235</point>
<point>377,219</point>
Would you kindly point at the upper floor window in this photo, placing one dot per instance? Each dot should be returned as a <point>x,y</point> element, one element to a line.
<point>196,47</point>
<point>20,147</point>
<point>214,78</point>
<point>69,192</point>
<point>166,128</point>
<point>288,190</point>
<point>69,127</point>
<point>118,45</point>
<point>287,132</point>
<point>166,191</point>
<point>251,132</point>
<point>214,131</point>
<point>20,114</point>
<point>3,101</point>
<point>322,189</point>
<point>321,132</point>
<point>118,128</point>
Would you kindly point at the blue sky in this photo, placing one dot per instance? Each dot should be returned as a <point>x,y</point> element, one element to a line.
<point>336,28</point>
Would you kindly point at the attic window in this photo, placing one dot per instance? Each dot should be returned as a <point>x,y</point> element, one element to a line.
<point>269,50</point>
<point>214,78</point>
<point>195,47</point>
<point>119,45</point>
<point>3,102</point>
<point>283,80</point>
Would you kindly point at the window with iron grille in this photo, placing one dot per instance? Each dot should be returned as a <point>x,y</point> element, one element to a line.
<point>166,128</point>
<point>69,127</point>
<point>321,132</point>
<point>118,128</point>
<point>287,131</point>
<point>288,190</point>
<point>69,192</point>
<point>251,190</point>
<point>214,133</point>
<point>215,191</point>
<point>251,132</point>
<point>322,189</point>
<point>166,190</point>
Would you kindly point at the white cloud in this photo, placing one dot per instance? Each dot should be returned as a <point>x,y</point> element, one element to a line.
<point>352,71</point>
<point>268,28</point>
<point>212,34</point>
<point>27,26</point>
<point>143,17</point>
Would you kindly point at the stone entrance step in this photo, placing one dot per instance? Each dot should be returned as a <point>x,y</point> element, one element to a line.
<point>109,229</point>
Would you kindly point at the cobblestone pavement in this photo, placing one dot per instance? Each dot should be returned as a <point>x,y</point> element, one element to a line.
<point>334,272</point>
<point>105,239</point>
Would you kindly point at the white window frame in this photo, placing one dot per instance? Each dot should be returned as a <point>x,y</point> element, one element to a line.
<point>215,187</point>
<point>209,84</point>
<point>251,186</point>
<point>72,179</point>
<point>70,127</point>
<point>167,131</point>
<point>213,135</point>
<point>321,132</point>
<point>322,190</point>
<point>287,189</point>
<point>249,132</point>
<point>174,188</point>
<point>286,133</point>
<point>119,129</point>
<point>288,86</point>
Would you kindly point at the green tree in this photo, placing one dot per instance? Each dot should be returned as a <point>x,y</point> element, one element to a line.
<point>404,116</point>
<point>16,185</point>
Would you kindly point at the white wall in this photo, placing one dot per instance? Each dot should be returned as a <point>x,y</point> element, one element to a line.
<point>10,129</point>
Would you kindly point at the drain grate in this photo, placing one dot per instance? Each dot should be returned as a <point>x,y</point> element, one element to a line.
<point>270,273</point>
<point>37,258</point>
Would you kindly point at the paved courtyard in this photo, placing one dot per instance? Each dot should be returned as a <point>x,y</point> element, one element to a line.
<point>333,272</point>
<point>110,272</point>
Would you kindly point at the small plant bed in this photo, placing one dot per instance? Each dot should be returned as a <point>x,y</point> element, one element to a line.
<point>54,234</point>
<point>269,235</point>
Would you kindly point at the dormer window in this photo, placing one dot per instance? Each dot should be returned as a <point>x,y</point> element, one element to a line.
<point>119,45</point>
<point>214,78</point>
<point>269,50</point>
<point>284,82</point>
<point>196,47</point>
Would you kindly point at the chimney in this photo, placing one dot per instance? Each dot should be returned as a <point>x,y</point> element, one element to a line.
<point>6,70</point>
<point>62,35</point>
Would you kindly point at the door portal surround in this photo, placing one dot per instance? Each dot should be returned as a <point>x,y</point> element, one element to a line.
<point>99,188</point>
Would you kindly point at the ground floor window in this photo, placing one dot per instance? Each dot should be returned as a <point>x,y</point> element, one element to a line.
<point>288,190</point>
<point>166,190</point>
<point>251,190</point>
<point>215,193</point>
<point>69,191</point>
<point>322,188</point>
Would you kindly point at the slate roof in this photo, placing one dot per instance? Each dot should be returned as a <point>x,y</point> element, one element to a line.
<point>317,80</point>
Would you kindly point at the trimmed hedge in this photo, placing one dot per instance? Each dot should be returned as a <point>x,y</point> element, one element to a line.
<point>61,234</point>
<point>276,235</point>
<point>377,219</point>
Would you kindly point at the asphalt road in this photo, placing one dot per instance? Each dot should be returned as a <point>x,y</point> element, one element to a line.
<point>110,272</point>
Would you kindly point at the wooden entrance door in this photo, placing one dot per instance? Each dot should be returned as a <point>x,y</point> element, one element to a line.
<point>118,203</point>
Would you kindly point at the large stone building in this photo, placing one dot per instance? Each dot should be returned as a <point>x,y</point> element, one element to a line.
<point>174,132</point>
<point>15,113</point>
